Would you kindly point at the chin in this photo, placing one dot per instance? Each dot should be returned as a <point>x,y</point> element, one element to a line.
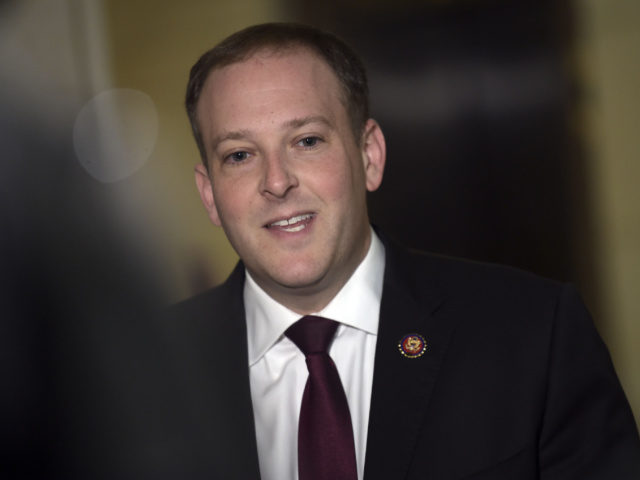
<point>297,275</point>
<point>299,281</point>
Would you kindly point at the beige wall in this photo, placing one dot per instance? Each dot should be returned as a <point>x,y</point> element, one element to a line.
<point>152,46</point>
<point>609,47</point>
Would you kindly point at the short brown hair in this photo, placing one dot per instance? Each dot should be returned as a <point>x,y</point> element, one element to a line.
<point>344,62</point>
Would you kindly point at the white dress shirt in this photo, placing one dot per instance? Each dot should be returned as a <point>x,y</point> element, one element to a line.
<point>278,372</point>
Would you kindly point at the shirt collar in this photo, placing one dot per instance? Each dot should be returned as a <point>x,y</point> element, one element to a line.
<point>357,304</point>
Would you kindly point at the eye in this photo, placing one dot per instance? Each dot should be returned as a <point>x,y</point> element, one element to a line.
<point>237,157</point>
<point>309,142</point>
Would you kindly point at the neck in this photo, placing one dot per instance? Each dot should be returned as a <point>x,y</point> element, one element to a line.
<point>307,302</point>
<point>313,298</point>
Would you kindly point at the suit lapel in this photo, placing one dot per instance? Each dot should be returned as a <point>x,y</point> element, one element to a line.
<point>210,361</point>
<point>242,453</point>
<point>402,386</point>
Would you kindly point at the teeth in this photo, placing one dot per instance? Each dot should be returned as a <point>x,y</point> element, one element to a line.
<point>291,221</point>
<point>295,229</point>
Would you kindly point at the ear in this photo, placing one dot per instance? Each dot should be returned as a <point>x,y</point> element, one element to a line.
<point>203,182</point>
<point>374,154</point>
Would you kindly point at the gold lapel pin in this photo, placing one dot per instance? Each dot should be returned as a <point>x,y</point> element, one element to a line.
<point>412,345</point>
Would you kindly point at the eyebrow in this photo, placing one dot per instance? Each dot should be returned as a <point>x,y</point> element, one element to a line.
<point>235,135</point>
<point>293,123</point>
<point>301,122</point>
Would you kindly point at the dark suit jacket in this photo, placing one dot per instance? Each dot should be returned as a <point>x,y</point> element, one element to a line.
<point>515,382</point>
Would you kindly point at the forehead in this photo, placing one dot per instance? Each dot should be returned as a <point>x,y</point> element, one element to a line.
<point>269,81</point>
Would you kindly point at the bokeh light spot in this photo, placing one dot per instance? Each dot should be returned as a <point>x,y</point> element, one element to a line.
<point>115,133</point>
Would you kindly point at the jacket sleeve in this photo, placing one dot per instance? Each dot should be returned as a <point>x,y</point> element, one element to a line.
<point>588,430</point>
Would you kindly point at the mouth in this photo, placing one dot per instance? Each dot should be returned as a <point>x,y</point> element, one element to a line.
<point>292,224</point>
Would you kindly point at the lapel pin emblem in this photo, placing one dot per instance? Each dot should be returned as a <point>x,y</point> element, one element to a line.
<point>412,345</point>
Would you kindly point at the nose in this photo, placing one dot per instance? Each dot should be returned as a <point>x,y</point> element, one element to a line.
<point>278,176</point>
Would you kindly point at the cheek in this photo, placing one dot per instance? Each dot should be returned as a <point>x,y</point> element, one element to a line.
<point>336,178</point>
<point>232,202</point>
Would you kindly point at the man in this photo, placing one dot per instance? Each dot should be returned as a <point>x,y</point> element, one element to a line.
<point>448,369</point>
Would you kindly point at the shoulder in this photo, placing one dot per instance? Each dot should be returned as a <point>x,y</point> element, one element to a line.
<point>487,300</point>
<point>215,306</point>
<point>211,299</point>
<point>461,279</point>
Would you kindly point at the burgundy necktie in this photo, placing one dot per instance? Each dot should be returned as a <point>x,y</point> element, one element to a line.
<point>325,437</point>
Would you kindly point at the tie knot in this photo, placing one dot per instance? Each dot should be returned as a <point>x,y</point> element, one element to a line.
<point>312,334</point>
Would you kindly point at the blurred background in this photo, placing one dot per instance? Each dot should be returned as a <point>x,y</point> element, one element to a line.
<point>512,133</point>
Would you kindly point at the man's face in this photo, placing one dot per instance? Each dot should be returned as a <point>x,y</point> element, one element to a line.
<point>287,180</point>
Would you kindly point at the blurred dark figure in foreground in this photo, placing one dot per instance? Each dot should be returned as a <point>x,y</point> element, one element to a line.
<point>76,341</point>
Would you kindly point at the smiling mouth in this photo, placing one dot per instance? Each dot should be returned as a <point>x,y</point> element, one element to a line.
<point>293,224</point>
